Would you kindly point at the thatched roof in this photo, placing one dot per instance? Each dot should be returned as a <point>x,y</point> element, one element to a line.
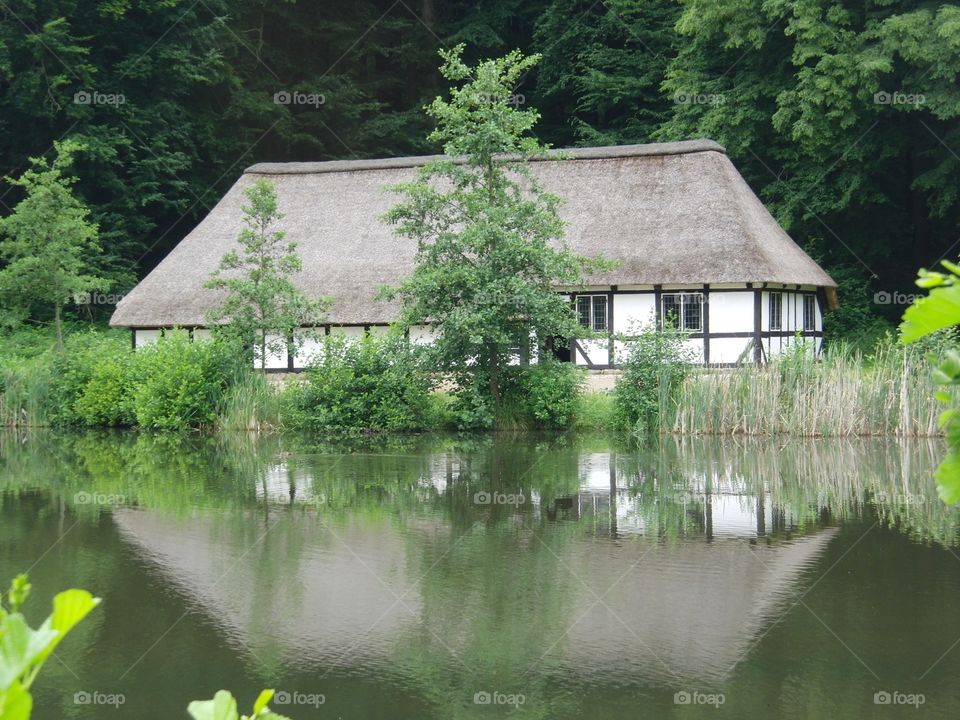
<point>671,213</point>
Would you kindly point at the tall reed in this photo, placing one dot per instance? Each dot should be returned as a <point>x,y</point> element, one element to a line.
<point>24,392</point>
<point>845,393</point>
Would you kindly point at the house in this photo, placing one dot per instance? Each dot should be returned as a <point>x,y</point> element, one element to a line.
<point>696,248</point>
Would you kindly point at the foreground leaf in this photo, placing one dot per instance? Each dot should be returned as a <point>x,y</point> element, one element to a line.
<point>222,707</point>
<point>15,703</point>
<point>69,608</point>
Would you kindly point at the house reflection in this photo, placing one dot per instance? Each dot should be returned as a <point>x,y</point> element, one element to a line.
<point>348,574</point>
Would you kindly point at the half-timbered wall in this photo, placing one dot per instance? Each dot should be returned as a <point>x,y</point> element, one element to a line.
<point>736,324</point>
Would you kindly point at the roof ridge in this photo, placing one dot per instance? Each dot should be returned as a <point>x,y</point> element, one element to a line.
<point>681,147</point>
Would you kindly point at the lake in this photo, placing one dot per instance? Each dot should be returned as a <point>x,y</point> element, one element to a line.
<point>480,577</point>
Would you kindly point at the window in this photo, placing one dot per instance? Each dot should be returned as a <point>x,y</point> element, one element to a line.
<point>682,311</point>
<point>592,312</point>
<point>809,313</point>
<point>776,311</point>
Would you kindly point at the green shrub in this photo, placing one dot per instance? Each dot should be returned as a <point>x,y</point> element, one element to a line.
<point>45,388</point>
<point>550,393</point>
<point>654,367</point>
<point>177,383</point>
<point>545,395</point>
<point>83,354</point>
<point>106,399</point>
<point>376,383</point>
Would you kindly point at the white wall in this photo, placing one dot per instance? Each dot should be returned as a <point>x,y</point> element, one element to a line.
<point>308,350</point>
<point>632,311</point>
<point>422,335</point>
<point>695,347</point>
<point>145,337</point>
<point>349,331</point>
<point>728,350</point>
<point>276,357</point>
<point>730,312</point>
<point>596,351</point>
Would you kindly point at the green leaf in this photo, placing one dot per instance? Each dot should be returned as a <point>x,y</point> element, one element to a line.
<point>948,478</point>
<point>262,700</point>
<point>69,608</point>
<point>19,647</point>
<point>15,703</point>
<point>222,707</point>
<point>939,310</point>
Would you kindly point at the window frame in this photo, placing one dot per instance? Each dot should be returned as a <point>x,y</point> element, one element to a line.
<point>682,303</point>
<point>810,302</point>
<point>592,312</point>
<point>779,314</point>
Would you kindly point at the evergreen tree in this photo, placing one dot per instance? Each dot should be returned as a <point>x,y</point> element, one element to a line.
<point>486,232</point>
<point>48,243</point>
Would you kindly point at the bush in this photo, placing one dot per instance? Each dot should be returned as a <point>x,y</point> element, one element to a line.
<point>106,399</point>
<point>44,387</point>
<point>545,395</point>
<point>178,383</point>
<point>376,383</point>
<point>550,393</point>
<point>653,370</point>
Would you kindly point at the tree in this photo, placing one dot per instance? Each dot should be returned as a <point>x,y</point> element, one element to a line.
<point>261,299</point>
<point>47,242</point>
<point>603,64</point>
<point>489,239</point>
<point>842,115</point>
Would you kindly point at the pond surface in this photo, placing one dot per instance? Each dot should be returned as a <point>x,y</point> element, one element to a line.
<point>533,577</point>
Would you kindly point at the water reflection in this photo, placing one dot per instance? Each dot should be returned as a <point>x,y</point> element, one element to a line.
<point>437,568</point>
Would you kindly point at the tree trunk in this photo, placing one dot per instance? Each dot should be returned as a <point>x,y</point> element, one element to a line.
<point>494,379</point>
<point>263,350</point>
<point>58,322</point>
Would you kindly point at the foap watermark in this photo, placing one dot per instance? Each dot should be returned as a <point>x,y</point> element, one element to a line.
<point>493,697</point>
<point>695,697</point>
<point>498,498</point>
<point>293,697</point>
<point>93,97</point>
<point>884,297</point>
<point>901,498</point>
<point>295,97</point>
<point>98,698</point>
<point>97,298</point>
<point>514,99</point>
<point>898,97</point>
<point>895,697</point>
<point>682,98</point>
<point>98,498</point>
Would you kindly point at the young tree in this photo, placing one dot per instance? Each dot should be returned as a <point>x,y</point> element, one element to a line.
<point>489,250</point>
<point>47,242</point>
<point>261,299</point>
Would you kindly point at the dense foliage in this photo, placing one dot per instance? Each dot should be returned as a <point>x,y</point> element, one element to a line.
<point>842,116</point>
<point>373,384</point>
<point>97,380</point>
<point>655,364</point>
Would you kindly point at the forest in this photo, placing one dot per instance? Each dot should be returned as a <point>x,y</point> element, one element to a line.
<point>841,116</point>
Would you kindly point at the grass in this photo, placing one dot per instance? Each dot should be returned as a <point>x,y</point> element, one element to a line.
<point>595,411</point>
<point>844,394</point>
<point>251,402</point>
<point>24,392</point>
